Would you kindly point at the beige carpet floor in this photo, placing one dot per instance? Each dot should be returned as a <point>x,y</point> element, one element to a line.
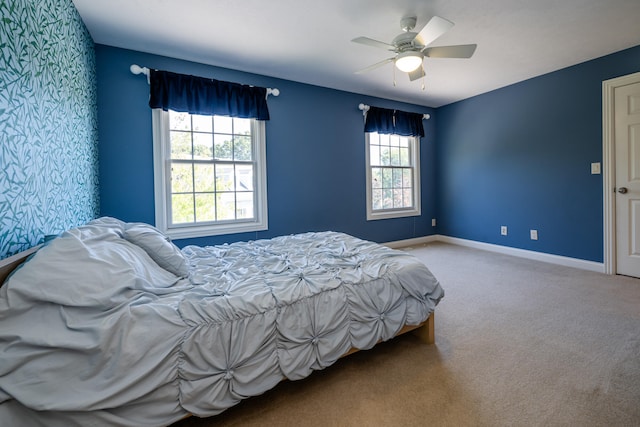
<point>518,343</point>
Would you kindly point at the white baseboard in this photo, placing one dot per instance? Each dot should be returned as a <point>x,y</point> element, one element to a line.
<point>412,242</point>
<point>522,253</point>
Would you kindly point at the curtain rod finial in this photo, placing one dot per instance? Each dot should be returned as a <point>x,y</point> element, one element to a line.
<point>136,69</point>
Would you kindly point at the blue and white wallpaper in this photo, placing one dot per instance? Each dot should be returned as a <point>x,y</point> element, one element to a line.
<point>48,122</point>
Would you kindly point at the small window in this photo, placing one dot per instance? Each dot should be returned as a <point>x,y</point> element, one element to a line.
<point>209,173</point>
<point>393,176</point>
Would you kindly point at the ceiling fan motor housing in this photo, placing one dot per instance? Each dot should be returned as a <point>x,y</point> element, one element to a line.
<point>405,41</point>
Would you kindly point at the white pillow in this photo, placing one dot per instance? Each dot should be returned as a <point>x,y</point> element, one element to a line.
<point>158,246</point>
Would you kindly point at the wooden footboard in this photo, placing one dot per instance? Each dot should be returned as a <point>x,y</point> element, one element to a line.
<point>7,265</point>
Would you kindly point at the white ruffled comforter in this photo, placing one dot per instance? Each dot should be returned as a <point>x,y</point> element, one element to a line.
<point>94,332</point>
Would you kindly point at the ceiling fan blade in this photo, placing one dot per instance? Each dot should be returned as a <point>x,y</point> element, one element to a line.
<point>375,43</point>
<point>374,66</point>
<point>459,51</point>
<point>416,74</point>
<point>436,27</point>
<point>371,42</point>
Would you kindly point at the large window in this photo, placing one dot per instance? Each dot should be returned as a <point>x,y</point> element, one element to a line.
<point>393,176</point>
<point>210,174</point>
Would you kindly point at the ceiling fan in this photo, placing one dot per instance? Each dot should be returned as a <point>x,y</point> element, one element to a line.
<point>411,48</point>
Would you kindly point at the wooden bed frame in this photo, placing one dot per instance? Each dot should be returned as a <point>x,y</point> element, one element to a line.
<point>425,331</point>
<point>7,265</point>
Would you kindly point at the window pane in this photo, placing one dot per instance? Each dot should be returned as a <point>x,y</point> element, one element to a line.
<point>387,199</point>
<point>182,208</point>
<point>407,197</point>
<point>376,195</point>
<point>395,156</point>
<point>404,157</point>
<point>203,146</point>
<point>407,178</point>
<point>202,123</point>
<point>222,124</point>
<point>397,178</point>
<point>387,178</point>
<point>244,205</point>
<point>374,155</point>
<point>224,178</point>
<point>179,121</point>
<point>204,177</point>
<point>404,141</point>
<point>223,147</point>
<point>226,204</point>
<point>385,156</point>
<point>205,207</point>
<point>394,140</point>
<point>244,178</point>
<point>376,178</point>
<point>241,126</point>
<point>181,178</point>
<point>242,148</point>
<point>384,139</point>
<point>397,198</point>
<point>180,145</point>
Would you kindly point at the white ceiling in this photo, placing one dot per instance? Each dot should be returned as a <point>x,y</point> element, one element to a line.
<point>309,41</point>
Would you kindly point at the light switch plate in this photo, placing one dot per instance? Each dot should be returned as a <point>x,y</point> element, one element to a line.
<point>595,168</point>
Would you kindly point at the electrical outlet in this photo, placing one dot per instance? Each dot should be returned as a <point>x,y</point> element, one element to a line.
<point>433,222</point>
<point>534,234</point>
<point>503,230</point>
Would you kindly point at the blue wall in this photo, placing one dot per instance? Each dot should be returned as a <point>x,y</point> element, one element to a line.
<point>520,156</point>
<point>48,122</point>
<point>315,152</point>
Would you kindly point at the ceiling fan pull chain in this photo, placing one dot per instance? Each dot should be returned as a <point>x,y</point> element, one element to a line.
<point>394,76</point>
<point>423,74</point>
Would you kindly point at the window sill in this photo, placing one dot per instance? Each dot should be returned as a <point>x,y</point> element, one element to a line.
<point>188,232</point>
<point>372,216</point>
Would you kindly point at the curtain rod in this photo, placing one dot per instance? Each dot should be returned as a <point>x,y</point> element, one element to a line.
<point>364,108</point>
<point>136,69</point>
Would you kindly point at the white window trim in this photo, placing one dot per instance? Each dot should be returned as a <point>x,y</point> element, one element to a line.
<point>162,185</point>
<point>416,210</point>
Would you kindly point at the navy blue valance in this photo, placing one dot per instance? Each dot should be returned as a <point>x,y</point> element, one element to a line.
<point>200,95</point>
<point>383,120</point>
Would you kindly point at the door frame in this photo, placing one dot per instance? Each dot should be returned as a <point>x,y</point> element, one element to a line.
<point>609,166</point>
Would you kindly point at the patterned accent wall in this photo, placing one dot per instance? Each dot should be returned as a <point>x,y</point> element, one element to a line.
<point>48,122</point>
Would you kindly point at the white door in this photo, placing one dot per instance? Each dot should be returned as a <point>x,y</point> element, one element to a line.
<point>627,176</point>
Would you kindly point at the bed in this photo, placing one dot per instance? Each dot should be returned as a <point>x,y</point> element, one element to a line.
<point>111,324</point>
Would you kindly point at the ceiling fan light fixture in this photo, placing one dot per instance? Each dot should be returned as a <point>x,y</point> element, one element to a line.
<point>409,61</point>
